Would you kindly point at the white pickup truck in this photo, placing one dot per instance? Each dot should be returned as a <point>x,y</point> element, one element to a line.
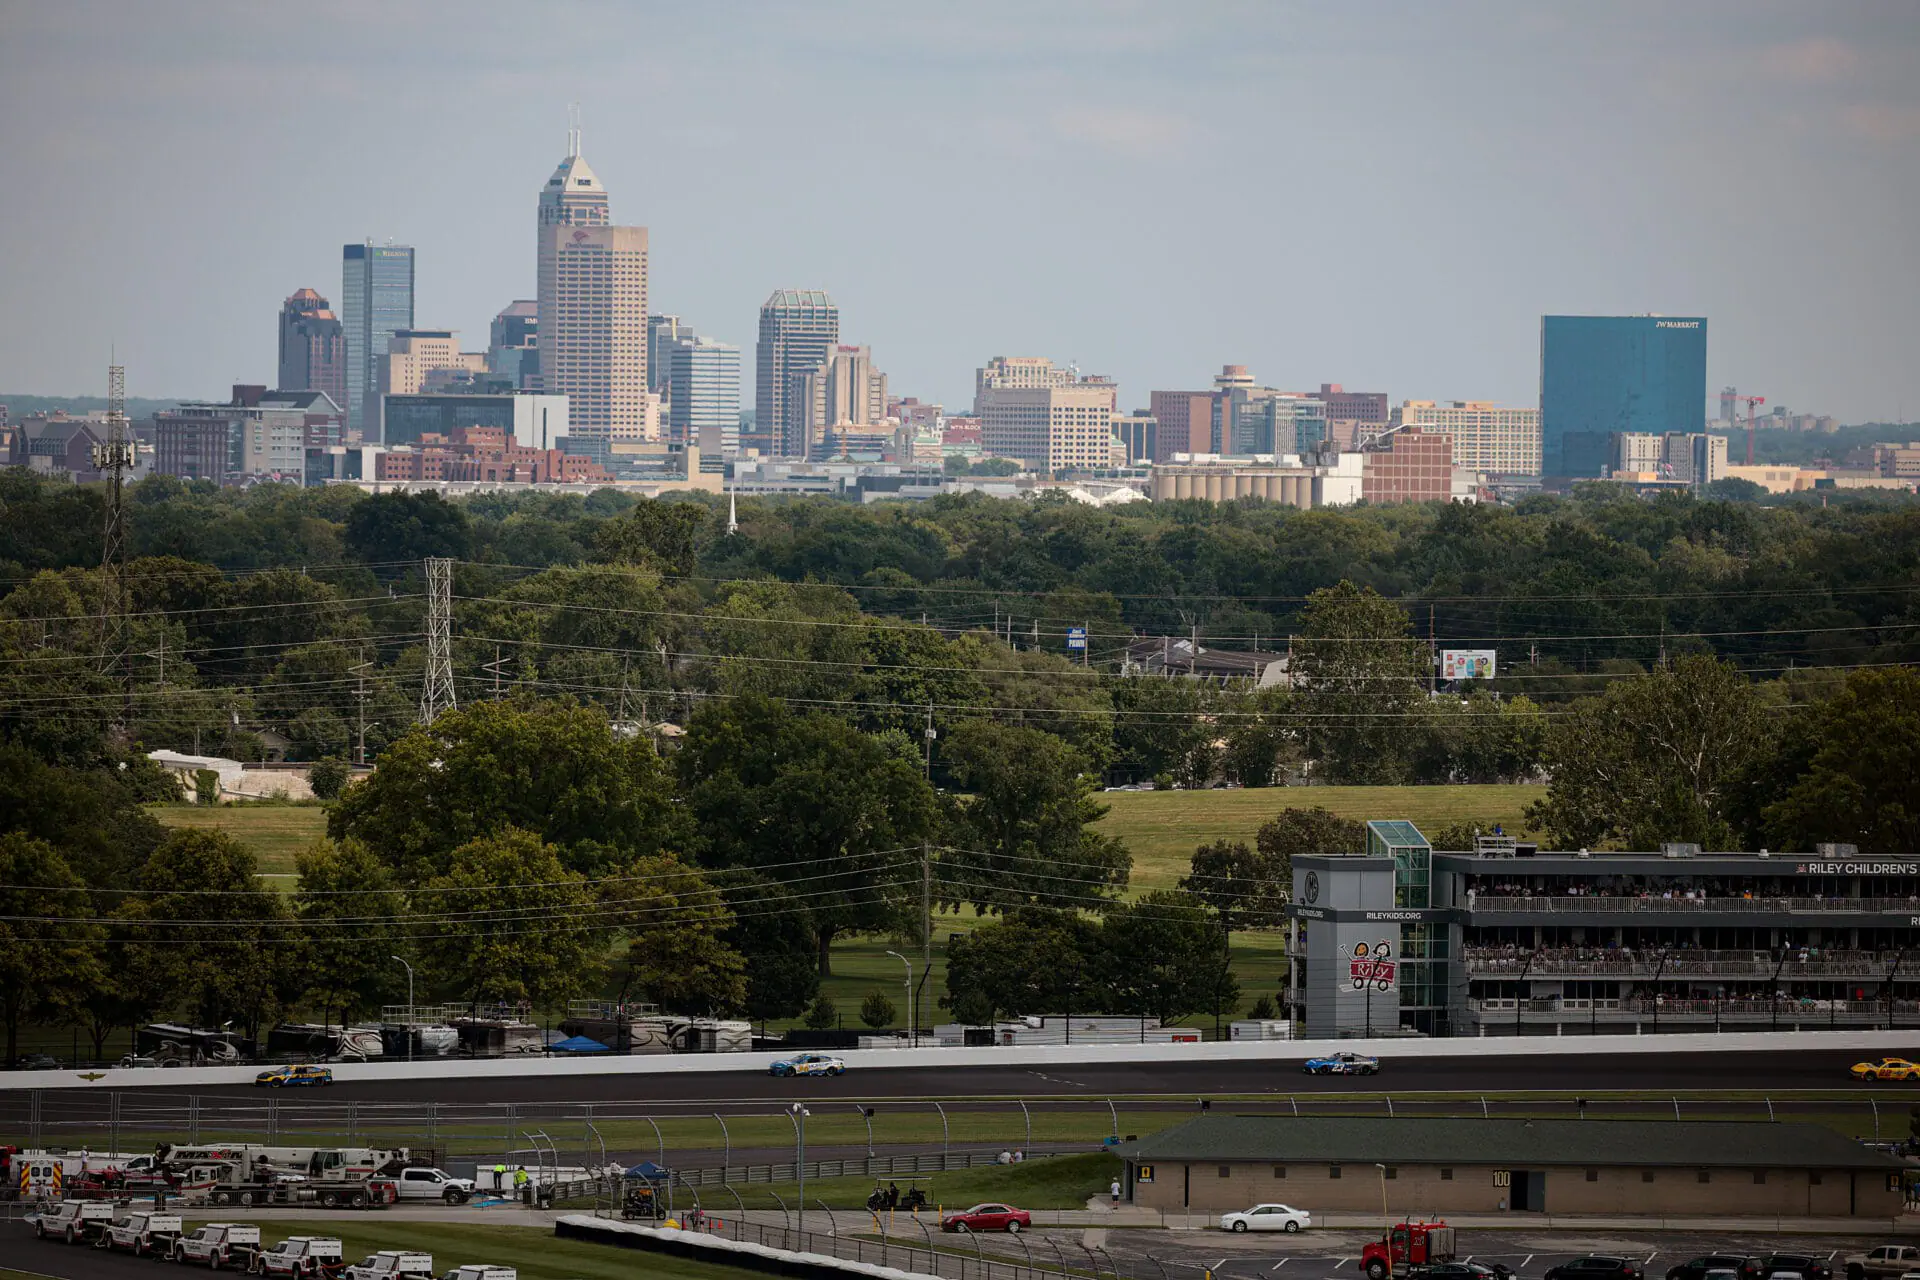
<point>434,1184</point>
<point>220,1244</point>
<point>73,1221</point>
<point>143,1231</point>
<point>391,1264</point>
<point>301,1256</point>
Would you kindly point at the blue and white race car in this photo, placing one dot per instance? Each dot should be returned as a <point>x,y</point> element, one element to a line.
<point>809,1064</point>
<point>1343,1064</point>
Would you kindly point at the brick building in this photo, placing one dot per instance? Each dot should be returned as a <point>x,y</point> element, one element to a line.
<point>1416,466</point>
<point>1426,1166</point>
<point>1185,421</point>
<point>484,454</point>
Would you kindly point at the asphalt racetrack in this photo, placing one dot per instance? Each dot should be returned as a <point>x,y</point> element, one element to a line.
<point>1650,1074</point>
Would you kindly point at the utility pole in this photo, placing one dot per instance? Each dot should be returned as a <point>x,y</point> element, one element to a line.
<point>1086,646</point>
<point>1433,654</point>
<point>436,694</point>
<point>929,734</point>
<point>360,707</point>
<point>495,667</point>
<point>114,459</point>
<point>926,929</point>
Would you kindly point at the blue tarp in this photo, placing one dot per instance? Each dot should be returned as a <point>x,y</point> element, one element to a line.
<point>647,1171</point>
<point>579,1044</point>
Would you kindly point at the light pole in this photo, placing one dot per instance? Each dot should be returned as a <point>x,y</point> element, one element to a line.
<point>1386,1215</point>
<point>798,1114</point>
<point>913,1012</point>
<point>409,1006</point>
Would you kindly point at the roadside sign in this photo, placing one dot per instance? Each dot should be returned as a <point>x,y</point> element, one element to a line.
<point>1076,637</point>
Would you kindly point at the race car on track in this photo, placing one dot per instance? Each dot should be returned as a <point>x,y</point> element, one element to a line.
<point>1342,1064</point>
<point>303,1074</point>
<point>1886,1069</point>
<point>808,1064</point>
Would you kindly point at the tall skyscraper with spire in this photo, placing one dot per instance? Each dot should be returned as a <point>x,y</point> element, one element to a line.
<point>592,305</point>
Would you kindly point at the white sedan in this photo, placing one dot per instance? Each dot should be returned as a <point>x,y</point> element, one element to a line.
<point>1267,1217</point>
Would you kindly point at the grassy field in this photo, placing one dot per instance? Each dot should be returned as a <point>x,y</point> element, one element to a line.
<point>1162,828</point>
<point>274,831</point>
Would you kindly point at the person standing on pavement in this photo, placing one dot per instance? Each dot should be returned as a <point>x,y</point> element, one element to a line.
<point>1114,1191</point>
<point>520,1184</point>
<point>499,1176</point>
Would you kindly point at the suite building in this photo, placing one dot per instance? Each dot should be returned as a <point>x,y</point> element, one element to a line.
<point>1510,939</point>
<point>313,347</point>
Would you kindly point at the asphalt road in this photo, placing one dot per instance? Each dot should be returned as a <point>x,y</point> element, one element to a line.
<point>1639,1072</point>
<point>1180,1255</point>
<point>1333,1255</point>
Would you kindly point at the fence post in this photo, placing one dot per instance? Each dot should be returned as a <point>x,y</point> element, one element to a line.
<point>114,1103</point>
<point>944,1138</point>
<point>1295,1100</point>
<point>433,1123</point>
<point>1870,1102</point>
<point>1770,1109</point>
<point>726,1149</point>
<point>273,1115</point>
<point>786,1215</point>
<point>1116,1118</point>
<point>1057,1254</point>
<point>1090,1258</point>
<point>1156,1262</point>
<point>353,1119</point>
<point>1028,1117</point>
<point>1676,1108</point>
<point>1389,1106</point>
<point>1484,1113</point>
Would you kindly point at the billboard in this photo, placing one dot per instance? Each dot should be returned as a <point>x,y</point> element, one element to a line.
<point>1466,664</point>
<point>1373,967</point>
<point>1076,637</point>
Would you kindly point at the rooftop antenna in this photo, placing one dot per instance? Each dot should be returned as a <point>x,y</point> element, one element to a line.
<point>113,458</point>
<point>573,130</point>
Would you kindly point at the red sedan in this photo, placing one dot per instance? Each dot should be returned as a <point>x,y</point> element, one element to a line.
<point>988,1217</point>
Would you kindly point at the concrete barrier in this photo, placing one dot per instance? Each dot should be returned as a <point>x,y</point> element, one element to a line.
<point>1867,1043</point>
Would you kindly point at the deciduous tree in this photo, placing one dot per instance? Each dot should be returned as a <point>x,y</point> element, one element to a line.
<point>1653,759</point>
<point>49,947</point>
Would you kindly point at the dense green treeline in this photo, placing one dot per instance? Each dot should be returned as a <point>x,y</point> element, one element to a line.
<point>687,762</point>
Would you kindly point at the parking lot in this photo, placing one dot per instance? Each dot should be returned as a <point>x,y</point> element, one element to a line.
<point>1334,1255</point>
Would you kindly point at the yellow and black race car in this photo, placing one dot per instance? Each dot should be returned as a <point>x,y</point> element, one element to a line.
<point>1887,1069</point>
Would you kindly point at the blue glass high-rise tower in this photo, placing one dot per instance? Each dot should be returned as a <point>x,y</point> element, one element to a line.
<point>1605,374</point>
<point>377,293</point>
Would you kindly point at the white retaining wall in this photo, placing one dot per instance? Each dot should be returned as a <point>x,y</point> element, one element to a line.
<point>1866,1043</point>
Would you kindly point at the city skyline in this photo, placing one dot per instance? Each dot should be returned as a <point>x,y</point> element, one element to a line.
<point>1775,211</point>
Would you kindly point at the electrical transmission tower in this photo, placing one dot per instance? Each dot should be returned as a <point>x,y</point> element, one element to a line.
<point>113,459</point>
<point>436,695</point>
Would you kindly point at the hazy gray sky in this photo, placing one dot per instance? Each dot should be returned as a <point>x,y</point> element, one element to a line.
<point>1383,195</point>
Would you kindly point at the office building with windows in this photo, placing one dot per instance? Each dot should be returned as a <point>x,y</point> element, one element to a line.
<point>799,328</point>
<point>1051,424</point>
<point>531,420</point>
<point>592,310</point>
<point>704,398</point>
<point>376,302</point>
<point>844,396</point>
<point>313,347</point>
<point>513,346</point>
<point>1601,376</point>
<point>1486,437</point>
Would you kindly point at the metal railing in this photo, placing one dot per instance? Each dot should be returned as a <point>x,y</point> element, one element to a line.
<point>1547,963</point>
<point>1869,1011</point>
<point>1495,904</point>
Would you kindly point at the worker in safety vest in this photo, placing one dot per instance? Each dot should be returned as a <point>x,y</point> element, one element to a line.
<point>499,1176</point>
<point>521,1183</point>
